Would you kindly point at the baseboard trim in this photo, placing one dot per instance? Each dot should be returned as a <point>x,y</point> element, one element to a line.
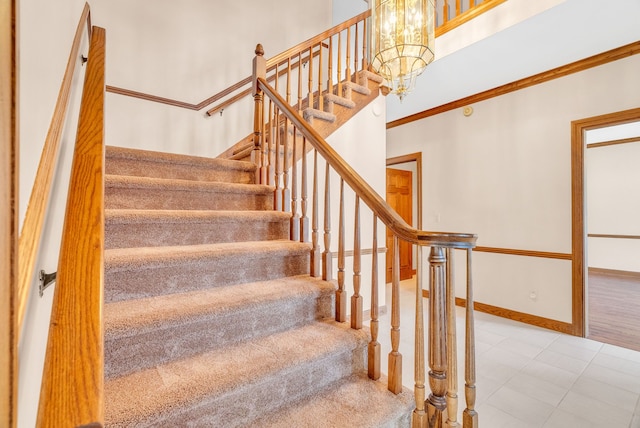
<point>559,326</point>
<point>613,272</point>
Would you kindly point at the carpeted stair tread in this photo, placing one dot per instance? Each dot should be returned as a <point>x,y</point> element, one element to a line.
<point>132,273</point>
<point>145,332</point>
<point>148,163</point>
<point>122,191</point>
<point>310,113</point>
<point>349,86</point>
<point>337,99</point>
<point>355,401</point>
<point>147,228</point>
<point>236,385</point>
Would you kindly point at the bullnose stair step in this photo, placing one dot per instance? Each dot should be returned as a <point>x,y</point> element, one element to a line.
<point>149,228</point>
<point>131,192</point>
<point>143,333</point>
<point>237,385</point>
<point>349,403</point>
<point>133,273</point>
<point>147,163</point>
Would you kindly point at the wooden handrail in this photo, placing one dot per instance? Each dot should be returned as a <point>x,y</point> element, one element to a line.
<point>217,108</point>
<point>29,241</point>
<point>369,196</point>
<point>9,196</point>
<point>73,378</point>
<point>283,56</point>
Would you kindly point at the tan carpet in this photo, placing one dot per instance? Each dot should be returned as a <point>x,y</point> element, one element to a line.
<point>211,317</point>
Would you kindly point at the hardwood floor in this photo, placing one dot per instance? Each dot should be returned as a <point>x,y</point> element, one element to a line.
<point>614,309</point>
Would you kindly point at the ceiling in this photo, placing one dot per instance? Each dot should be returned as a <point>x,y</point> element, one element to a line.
<point>568,32</point>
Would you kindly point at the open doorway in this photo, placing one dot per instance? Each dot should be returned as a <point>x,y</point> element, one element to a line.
<point>612,207</point>
<point>580,265</point>
<point>404,194</point>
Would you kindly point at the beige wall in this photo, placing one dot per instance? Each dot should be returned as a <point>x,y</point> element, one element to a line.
<point>190,53</point>
<point>505,174</point>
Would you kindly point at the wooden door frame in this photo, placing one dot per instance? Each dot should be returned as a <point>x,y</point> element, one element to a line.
<point>578,259</point>
<point>417,158</point>
<point>9,143</point>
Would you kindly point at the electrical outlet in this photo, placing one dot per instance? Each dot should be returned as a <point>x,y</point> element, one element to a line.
<point>533,295</point>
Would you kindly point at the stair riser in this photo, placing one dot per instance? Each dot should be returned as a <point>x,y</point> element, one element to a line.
<point>208,332</point>
<point>140,168</point>
<point>171,199</point>
<point>151,234</point>
<point>245,406</point>
<point>189,275</point>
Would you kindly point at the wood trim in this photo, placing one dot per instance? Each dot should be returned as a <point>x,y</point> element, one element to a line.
<point>466,16</point>
<point>364,251</point>
<point>29,242</point>
<point>565,70</point>
<point>600,235</point>
<point>182,104</point>
<point>368,195</point>
<point>417,158</point>
<point>528,253</point>
<point>578,128</point>
<point>9,194</point>
<point>559,326</point>
<point>73,379</point>
<point>615,272</point>
<point>148,97</point>
<point>613,142</point>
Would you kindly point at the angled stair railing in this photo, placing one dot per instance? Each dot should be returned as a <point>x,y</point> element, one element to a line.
<point>72,385</point>
<point>325,78</point>
<point>441,405</point>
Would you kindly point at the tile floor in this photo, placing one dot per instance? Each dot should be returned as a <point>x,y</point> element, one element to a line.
<point>532,377</point>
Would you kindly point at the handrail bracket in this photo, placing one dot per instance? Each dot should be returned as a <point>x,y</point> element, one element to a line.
<point>46,279</point>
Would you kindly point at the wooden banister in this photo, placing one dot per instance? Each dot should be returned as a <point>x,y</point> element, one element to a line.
<point>29,242</point>
<point>9,195</point>
<point>72,385</point>
<point>369,196</point>
<point>283,56</point>
<point>441,406</point>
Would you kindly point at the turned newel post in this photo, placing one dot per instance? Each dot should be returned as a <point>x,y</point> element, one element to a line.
<point>437,403</point>
<point>259,71</point>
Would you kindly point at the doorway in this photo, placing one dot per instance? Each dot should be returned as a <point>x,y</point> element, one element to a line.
<point>612,183</point>
<point>580,284</point>
<point>404,194</point>
<point>399,197</point>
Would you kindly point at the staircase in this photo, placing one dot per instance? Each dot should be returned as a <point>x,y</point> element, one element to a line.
<point>211,316</point>
<point>325,114</point>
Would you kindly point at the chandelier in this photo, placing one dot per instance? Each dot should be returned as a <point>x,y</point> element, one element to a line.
<point>402,41</point>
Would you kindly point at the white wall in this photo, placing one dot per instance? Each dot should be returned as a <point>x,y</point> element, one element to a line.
<point>505,174</point>
<point>189,52</point>
<point>612,180</point>
<point>363,133</point>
